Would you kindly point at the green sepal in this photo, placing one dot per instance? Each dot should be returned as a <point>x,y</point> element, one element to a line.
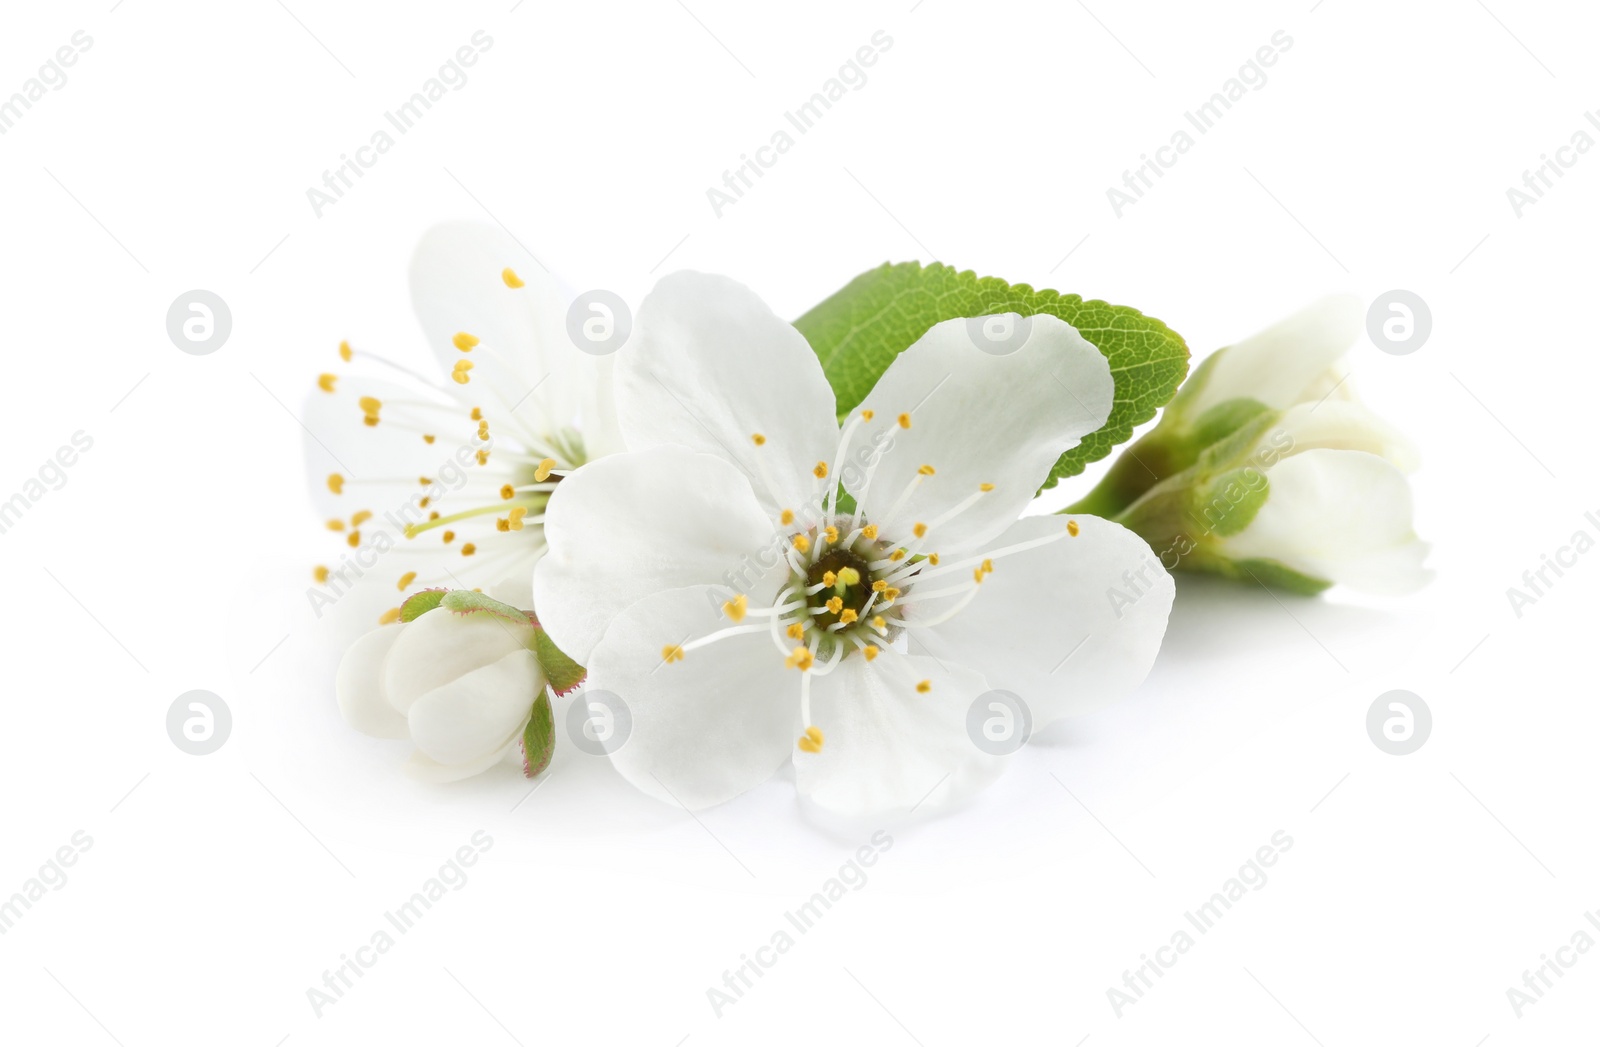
<point>466,601</point>
<point>419,603</point>
<point>859,330</point>
<point>563,673</point>
<point>539,736</point>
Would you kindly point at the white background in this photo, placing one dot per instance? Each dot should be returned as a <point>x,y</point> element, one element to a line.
<point>218,889</point>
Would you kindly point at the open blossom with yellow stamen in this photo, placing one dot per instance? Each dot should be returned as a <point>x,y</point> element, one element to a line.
<point>448,477</point>
<point>854,654</point>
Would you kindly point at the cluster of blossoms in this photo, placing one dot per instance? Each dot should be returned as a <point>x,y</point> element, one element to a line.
<point>768,582</point>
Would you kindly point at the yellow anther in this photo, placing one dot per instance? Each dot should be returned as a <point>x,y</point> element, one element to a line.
<point>869,652</point>
<point>866,416</point>
<point>360,518</point>
<point>405,580</point>
<point>758,439</point>
<point>427,438</point>
<point>511,278</point>
<point>870,532</point>
<point>424,481</point>
<point>920,529</point>
<point>325,382</point>
<point>890,595</point>
<point>879,586</point>
<point>925,470</point>
<point>925,686</point>
<point>905,421</point>
<point>977,575</point>
<point>800,658</point>
<point>933,559</point>
<point>546,465</point>
<point>448,536</point>
<point>671,653</point>
<point>459,377</point>
<point>820,470</point>
<point>787,517</point>
<point>514,520</point>
<point>847,616</point>
<point>1072,528</point>
<point>828,578</point>
<point>370,404</point>
<point>425,502</point>
<point>369,419</point>
<point>802,543</point>
<point>433,515</point>
<point>464,341</point>
<point>477,414</point>
<point>878,622</point>
<point>468,549</point>
<point>502,524</point>
<point>831,534</point>
<point>483,430</point>
<point>735,608</point>
<point>988,567</point>
<point>344,352</point>
<point>483,457</point>
<point>354,539</point>
<point>320,573</point>
<point>391,615</point>
<point>336,483</point>
<point>986,488</point>
<point>796,631</point>
<point>507,492</point>
<point>849,575</point>
<point>898,554</point>
<point>811,741</point>
<point>335,525</point>
<point>835,605</point>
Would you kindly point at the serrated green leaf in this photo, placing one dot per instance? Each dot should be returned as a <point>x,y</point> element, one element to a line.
<point>859,330</point>
<point>563,673</point>
<point>539,737</point>
<point>466,601</point>
<point>418,604</point>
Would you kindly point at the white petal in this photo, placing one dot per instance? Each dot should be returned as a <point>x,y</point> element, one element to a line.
<point>442,646</point>
<point>977,417</point>
<point>1342,516</point>
<point>634,524</point>
<point>526,361</point>
<point>1067,627</point>
<point>359,685</point>
<point>1344,425</point>
<point>424,768</point>
<point>888,748</point>
<point>473,715</point>
<point>711,368</point>
<point>1283,364</point>
<point>706,728</point>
